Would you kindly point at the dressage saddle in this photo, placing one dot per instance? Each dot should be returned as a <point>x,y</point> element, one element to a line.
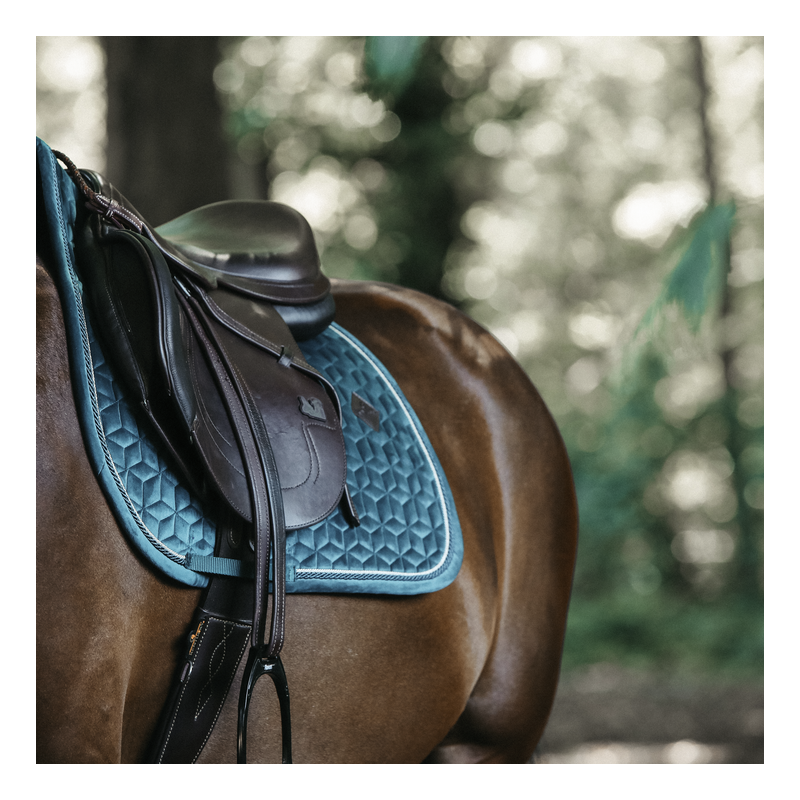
<point>200,318</point>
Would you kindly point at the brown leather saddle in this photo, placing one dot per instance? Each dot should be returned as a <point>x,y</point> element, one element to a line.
<point>200,318</point>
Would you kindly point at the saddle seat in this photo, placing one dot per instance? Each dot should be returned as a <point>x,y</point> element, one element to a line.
<point>260,248</point>
<point>264,249</point>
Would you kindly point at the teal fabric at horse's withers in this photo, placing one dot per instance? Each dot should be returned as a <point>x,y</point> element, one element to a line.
<point>409,540</point>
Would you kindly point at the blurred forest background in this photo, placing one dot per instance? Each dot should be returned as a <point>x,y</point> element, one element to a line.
<point>597,203</point>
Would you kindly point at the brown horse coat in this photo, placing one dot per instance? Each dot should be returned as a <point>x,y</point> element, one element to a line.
<point>465,674</point>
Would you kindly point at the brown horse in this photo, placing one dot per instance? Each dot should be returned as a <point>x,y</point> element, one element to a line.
<point>466,674</point>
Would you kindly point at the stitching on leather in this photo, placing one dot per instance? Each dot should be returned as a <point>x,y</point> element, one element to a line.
<point>198,444</point>
<point>310,465</point>
<point>310,438</point>
<point>338,494</point>
<point>210,682</point>
<point>241,329</point>
<point>222,704</point>
<point>256,498</point>
<point>186,686</point>
<point>200,395</point>
<point>178,704</point>
<point>298,360</point>
<point>207,417</point>
<point>275,643</point>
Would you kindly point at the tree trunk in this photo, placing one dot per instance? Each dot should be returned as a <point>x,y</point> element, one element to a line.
<point>746,575</point>
<point>166,149</point>
<point>421,158</point>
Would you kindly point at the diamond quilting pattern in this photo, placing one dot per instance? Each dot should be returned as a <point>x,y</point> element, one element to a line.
<point>166,510</point>
<point>405,531</point>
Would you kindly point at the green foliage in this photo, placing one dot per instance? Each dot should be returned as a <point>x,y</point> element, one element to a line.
<point>663,632</point>
<point>390,63</point>
<point>610,483</point>
<point>698,281</point>
<point>693,290</point>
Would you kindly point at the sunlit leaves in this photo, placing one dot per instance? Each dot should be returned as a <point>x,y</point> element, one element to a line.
<point>697,282</point>
<point>690,293</point>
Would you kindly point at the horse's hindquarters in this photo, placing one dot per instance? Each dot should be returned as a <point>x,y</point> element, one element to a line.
<point>512,485</point>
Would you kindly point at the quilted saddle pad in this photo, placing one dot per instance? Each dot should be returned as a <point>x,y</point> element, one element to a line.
<point>409,540</point>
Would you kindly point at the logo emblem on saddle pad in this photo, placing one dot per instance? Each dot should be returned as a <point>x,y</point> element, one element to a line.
<point>365,412</point>
<point>312,408</point>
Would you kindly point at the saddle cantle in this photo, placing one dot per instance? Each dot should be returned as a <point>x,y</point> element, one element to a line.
<point>199,318</point>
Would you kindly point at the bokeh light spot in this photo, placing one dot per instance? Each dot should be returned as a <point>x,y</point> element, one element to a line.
<point>650,211</point>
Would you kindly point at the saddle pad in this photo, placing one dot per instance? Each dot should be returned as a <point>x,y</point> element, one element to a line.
<point>409,540</point>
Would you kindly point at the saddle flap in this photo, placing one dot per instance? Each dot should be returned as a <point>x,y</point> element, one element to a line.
<point>300,418</point>
<point>139,298</point>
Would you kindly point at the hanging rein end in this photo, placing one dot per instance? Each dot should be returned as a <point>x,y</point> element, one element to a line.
<point>256,667</point>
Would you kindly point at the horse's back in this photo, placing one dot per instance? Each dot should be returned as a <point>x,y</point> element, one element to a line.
<point>466,673</point>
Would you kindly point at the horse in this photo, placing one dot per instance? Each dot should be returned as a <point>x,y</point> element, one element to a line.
<point>467,674</point>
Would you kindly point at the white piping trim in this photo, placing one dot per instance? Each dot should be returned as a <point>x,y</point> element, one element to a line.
<point>355,344</point>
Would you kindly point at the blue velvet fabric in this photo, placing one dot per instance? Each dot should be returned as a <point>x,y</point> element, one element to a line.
<point>409,541</point>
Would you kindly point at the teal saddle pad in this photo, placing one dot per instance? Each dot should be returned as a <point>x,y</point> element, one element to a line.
<point>409,540</point>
